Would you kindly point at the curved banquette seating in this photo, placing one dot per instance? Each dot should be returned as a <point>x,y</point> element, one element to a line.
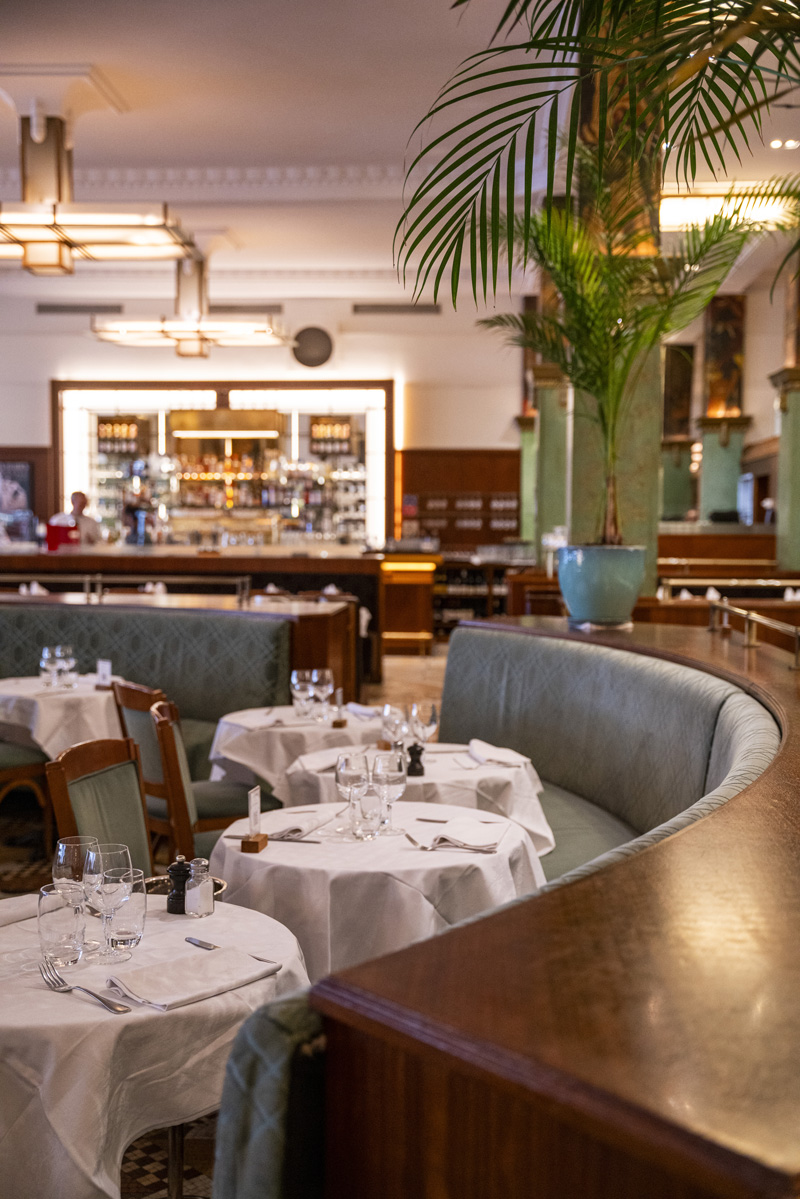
<point>629,748</point>
<point>208,663</point>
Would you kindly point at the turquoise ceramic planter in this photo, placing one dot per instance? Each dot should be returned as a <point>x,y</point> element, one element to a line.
<point>600,583</point>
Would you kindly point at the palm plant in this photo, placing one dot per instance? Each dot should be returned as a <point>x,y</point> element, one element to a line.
<point>695,76</point>
<point>618,299</point>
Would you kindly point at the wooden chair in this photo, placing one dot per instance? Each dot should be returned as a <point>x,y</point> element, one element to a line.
<point>23,767</point>
<point>96,788</point>
<point>189,834</point>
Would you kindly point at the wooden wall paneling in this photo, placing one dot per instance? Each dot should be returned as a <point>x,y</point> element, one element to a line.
<point>447,483</point>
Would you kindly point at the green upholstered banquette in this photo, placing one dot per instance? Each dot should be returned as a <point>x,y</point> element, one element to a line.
<point>208,663</point>
<point>629,747</point>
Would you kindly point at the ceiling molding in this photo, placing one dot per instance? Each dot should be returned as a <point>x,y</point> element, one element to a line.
<point>182,185</point>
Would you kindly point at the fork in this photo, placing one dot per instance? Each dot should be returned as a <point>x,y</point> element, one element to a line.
<point>56,983</point>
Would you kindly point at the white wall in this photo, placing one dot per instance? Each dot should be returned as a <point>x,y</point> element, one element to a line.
<point>763,355</point>
<point>461,385</point>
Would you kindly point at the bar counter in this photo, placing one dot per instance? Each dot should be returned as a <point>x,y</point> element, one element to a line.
<point>632,1035</point>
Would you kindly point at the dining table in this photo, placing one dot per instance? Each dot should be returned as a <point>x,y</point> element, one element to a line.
<point>78,1083</point>
<point>348,901</point>
<point>508,786</point>
<point>56,718</point>
<point>261,743</point>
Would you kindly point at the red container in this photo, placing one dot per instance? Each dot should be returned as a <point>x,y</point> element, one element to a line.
<point>62,535</point>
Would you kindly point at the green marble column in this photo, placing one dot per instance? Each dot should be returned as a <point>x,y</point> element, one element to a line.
<point>677,484</point>
<point>528,452</point>
<point>638,469</point>
<point>723,444</point>
<point>552,473</point>
<point>787,529</point>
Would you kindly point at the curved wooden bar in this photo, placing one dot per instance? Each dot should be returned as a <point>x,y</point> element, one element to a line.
<point>633,1035</point>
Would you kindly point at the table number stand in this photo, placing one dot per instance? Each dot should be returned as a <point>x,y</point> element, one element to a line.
<point>255,841</point>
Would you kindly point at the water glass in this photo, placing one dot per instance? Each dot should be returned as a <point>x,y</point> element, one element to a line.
<point>302,692</point>
<point>389,779</point>
<point>395,725</point>
<point>352,780</point>
<point>107,872</point>
<point>62,923</point>
<point>322,682</point>
<point>69,860</point>
<point>65,665</point>
<point>126,923</point>
<point>370,809</point>
<point>48,667</point>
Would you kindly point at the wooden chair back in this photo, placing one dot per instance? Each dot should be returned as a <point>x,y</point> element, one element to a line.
<point>97,791</point>
<point>133,707</point>
<point>177,778</point>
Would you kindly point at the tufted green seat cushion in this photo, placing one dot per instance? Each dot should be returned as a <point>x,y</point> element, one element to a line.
<point>628,732</point>
<point>19,755</point>
<point>213,799</point>
<point>208,663</point>
<point>582,830</point>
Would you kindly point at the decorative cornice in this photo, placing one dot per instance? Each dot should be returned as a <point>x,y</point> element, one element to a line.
<point>786,380</point>
<point>175,185</point>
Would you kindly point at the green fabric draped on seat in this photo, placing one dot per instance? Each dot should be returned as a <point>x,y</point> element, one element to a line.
<point>108,805</point>
<point>270,1130</point>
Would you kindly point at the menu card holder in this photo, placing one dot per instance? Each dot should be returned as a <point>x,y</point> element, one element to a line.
<point>255,840</point>
<point>103,682</point>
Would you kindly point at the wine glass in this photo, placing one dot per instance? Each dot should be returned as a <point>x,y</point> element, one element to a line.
<point>302,692</point>
<point>424,722</point>
<point>352,780</point>
<point>69,863</point>
<point>322,682</point>
<point>48,667</point>
<point>389,779</point>
<point>65,663</point>
<point>395,726</point>
<point>126,923</point>
<point>107,880</point>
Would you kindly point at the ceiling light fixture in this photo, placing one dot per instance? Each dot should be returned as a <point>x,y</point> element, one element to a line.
<point>775,144</point>
<point>791,143</point>
<point>191,330</point>
<point>46,230</point>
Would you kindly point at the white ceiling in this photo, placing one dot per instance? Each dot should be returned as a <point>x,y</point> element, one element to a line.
<point>277,129</point>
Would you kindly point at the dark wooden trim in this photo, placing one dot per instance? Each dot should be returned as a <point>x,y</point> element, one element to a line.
<point>649,1007</point>
<point>57,443</point>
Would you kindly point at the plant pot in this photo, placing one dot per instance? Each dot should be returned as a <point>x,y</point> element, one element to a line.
<point>600,583</point>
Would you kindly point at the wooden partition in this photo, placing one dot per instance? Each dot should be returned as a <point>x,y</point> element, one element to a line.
<point>634,1035</point>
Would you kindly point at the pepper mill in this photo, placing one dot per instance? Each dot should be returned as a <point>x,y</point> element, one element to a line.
<point>179,873</point>
<point>415,767</point>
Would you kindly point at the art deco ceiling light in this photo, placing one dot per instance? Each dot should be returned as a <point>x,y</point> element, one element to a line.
<point>46,231</point>
<point>191,330</point>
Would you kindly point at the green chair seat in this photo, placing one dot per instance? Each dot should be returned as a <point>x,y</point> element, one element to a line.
<point>582,830</point>
<point>204,842</point>
<point>217,799</point>
<point>12,755</point>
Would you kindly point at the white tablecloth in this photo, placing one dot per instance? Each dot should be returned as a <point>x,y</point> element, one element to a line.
<point>348,902</point>
<point>78,1084</point>
<point>55,720</point>
<point>264,742</point>
<point>450,777</point>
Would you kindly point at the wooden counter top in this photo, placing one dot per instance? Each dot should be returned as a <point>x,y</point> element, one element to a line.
<point>635,1034</point>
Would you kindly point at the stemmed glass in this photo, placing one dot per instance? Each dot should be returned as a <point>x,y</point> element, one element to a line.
<point>65,664</point>
<point>322,682</point>
<point>69,864</point>
<point>352,780</point>
<point>302,692</point>
<point>424,722</point>
<point>48,666</point>
<point>107,880</point>
<point>395,726</point>
<point>389,779</point>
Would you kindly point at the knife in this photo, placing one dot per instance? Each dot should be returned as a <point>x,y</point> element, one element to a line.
<point>209,945</point>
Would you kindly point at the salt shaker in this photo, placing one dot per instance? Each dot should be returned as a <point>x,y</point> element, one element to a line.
<point>178,872</point>
<point>200,890</point>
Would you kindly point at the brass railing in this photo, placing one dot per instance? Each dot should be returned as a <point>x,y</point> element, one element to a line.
<point>97,584</point>
<point>718,621</point>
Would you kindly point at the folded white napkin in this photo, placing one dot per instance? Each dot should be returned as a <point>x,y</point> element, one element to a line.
<point>331,589</point>
<point>190,978</point>
<point>362,711</point>
<point>288,826</point>
<point>789,593</point>
<point>483,752</point>
<point>321,759</point>
<point>713,594</point>
<point>462,832</point>
<point>19,907</point>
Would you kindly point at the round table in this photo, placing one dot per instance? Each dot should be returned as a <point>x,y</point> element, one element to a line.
<point>263,742</point>
<point>78,1084</point>
<point>350,901</point>
<point>451,776</point>
<point>54,719</point>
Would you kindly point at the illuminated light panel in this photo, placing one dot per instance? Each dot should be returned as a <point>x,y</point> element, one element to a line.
<point>189,337</point>
<point>678,212</point>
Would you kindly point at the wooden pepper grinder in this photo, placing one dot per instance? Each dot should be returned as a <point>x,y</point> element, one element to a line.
<point>179,873</point>
<point>415,767</point>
